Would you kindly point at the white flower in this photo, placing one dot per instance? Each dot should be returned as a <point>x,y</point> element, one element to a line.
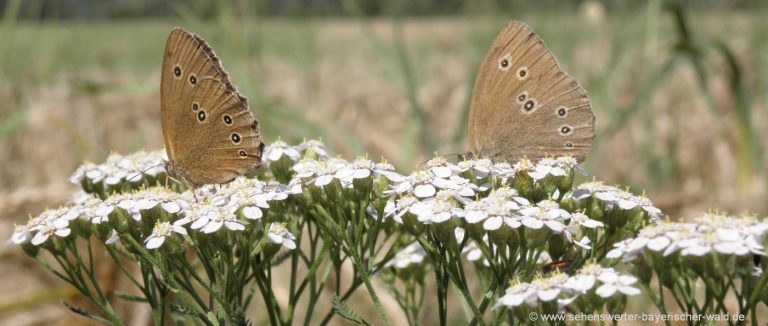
<point>91,208</point>
<point>583,220</point>
<point>119,168</point>
<point>276,150</point>
<point>480,167</point>
<point>549,288</point>
<point>546,166</point>
<point>503,171</point>
<point>473,252</point>
<point>585,278</point>
<point>412,254</point>
<point>727,235</point>
<point>441,168</point>
<point>21,234</point>
<point>387,170</point>
<point>278,234</point>
<point>113,237</point>
<point>463,187</point>
<point>224,218</point>
<point>546,212</point>
<point>396,209</point>
<point>160,232</point>
<point>48,223</point>
<point>359,169</point>
<point>612,282</point>
<point>615,198</point>
<point>417,183</point>
<point>59,227</point>
<point>136,202</point>
<point>517,295</point>
<point>314,146</point>
<point>198,215</point>
<point>210,219</point>
<point>319,173</point>
<point>438,209</point>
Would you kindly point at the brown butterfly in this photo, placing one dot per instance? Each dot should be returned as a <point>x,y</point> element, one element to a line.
<point>524,105</point>
<point>211,137</point>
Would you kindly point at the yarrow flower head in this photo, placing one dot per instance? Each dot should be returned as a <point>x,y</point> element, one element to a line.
<point>614,198</point>
<point>39,229</point>
<point>250,195</point>
<point>727,235</point>
<point>119,168</point>
<point>135,202</point>
<point>592,278</point>
<point>318,173</point>
<point>550,166</point>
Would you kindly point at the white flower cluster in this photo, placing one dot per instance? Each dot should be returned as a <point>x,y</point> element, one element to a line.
<point>557,167</point>
<point>215,207</point>
<point>279,149</point>
<point>40,228</point>
<point>321,173</point>
<point>727,235</point>
<point>603,281</point>
<point>615,198</point>
<point>119,168</point>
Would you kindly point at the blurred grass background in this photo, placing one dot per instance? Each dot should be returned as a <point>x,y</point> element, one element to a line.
<point>679,88</point>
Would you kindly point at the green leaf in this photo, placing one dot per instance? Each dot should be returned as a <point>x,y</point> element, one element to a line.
<point>129,297</point>
<point>342,310</point>
<point>182,310</point>
<point>85,313</point>
<point>212,318</point>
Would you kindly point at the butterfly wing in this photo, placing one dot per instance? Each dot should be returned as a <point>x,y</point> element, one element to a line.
<point>524,105</point>
<point>210,134</point>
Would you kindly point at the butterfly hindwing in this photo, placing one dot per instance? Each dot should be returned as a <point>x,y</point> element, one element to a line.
<point>207,124</point>
<point>524,105</point>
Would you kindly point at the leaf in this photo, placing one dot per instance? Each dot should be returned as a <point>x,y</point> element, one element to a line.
<point>182,310</point>
<point>212,318</point>
<point>85,313</point>
<point>129,297</point>
<point>342,310</point>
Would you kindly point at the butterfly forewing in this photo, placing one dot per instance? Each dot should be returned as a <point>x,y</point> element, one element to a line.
<point>524,105</point>
<point>210,134</point>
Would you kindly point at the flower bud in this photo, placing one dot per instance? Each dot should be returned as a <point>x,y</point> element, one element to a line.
<point>523,183</point>
<point>30,249</point>
<point>565,183</point>
<point>81,228</point>
<point>412,225</point>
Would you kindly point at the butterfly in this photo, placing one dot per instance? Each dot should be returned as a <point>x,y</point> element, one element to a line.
<point>210,134</point>
<point>524,105</point>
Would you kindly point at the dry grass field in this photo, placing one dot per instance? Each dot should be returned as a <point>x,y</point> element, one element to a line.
<point>685,121</point>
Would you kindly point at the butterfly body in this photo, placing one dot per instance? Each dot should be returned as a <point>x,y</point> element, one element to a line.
<point>210,134</point>
<point>524,105</point>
